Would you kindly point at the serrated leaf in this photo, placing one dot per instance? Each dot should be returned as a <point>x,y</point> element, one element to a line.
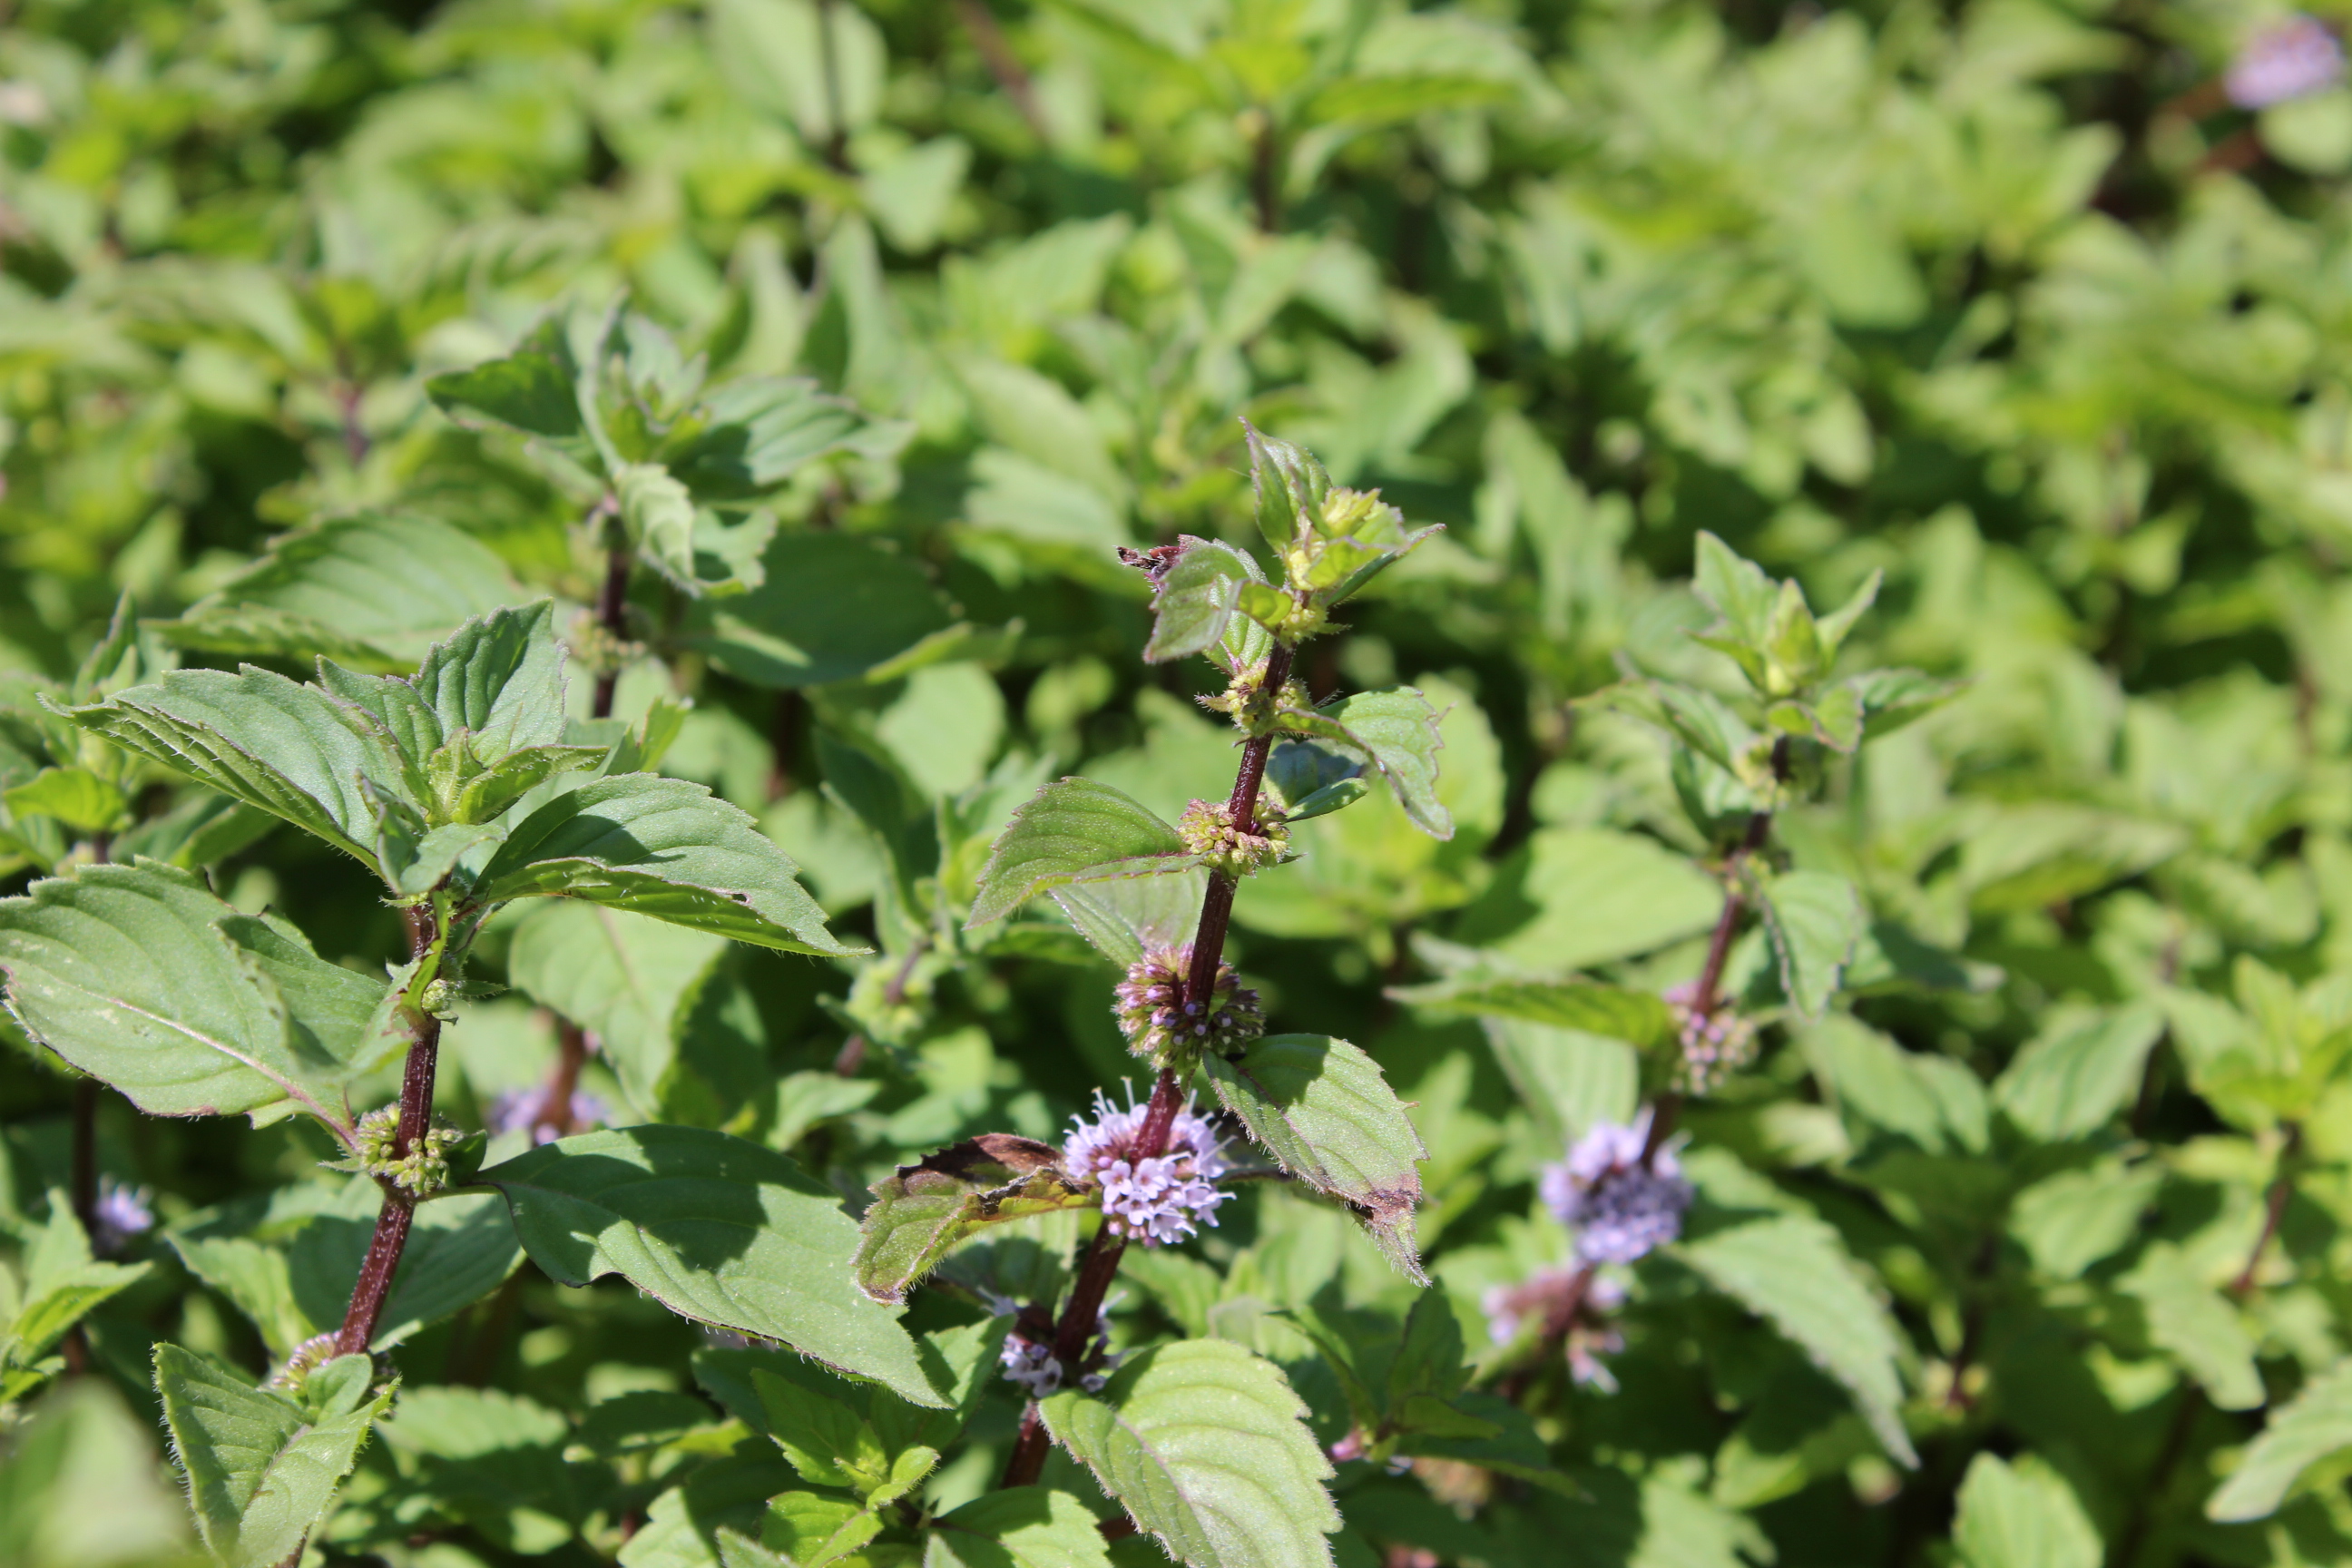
<point>262,1469</point>
<point>823,1438</point>
<point>1195,598</point>
<point>1397,730</point>
<point>2314,1425</point>
<point>622,977</point>
<point>499,678</point>
<point>1074,830</point>
<point>139,976</point>
<point>1614,1012</point>
<point>288,1259</point>
<point>1017,1527</point>
<point>1126,915</point>
<point>372,591</point>
<point>1890,698</point>
<point>1207,1449</point>
<point>1325,1113</point>
<point>285,748</point>
<point>2021,1516</point>
<point>1697,718</point>
<point>1816,919</point>
<point>662,848</point>
<point>2070,1080</point>
<point>718,1229</point>
<point>925,1209</point>
<point>1795,1273</point>
<point>813,1530</point>
<point>1290,485</point>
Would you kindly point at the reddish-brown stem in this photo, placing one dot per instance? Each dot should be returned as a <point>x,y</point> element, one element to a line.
<point>2273,1210</point>
<point>837,139</point>
<point>399,1209</point>
<point>1101,1264</point>
<point>1002,64</point>
<point>613,614</point>
<point>1559,1318</point>
<point>555,1103</point>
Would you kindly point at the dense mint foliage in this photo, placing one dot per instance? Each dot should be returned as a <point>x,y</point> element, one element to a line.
<point>1042,783</point>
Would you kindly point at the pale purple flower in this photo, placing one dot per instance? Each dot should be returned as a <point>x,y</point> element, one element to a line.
<point>1156,1200</point>
<point>1714,1043</point>
<point>1028,1358</point>
<point>516,1109</point>
<point>119,1218</point>
<point>1620,1207</point>
<point>2290,59</point>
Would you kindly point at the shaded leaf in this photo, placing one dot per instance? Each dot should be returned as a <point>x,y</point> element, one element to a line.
<point>1074,830</point>
<point>1397,730</point>
<point>718,1230</point>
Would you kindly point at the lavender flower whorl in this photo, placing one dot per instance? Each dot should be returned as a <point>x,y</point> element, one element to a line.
<point>1620,1208</point>
<point>1157,1199</point>
<point>1164,1029</point>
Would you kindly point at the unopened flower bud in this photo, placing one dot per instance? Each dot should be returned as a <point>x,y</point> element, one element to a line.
<point>1162,1027</point>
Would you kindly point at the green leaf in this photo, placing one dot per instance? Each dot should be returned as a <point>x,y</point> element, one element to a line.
<point>1194,598</point>
<point>139,976</point>
<point>716,1229</point>
<point>689,1525</point>
<point>2021,1516</point>
<point>1017,1527</point>
<point>1614,1012</point>
<point>1074,830</point>
<point>63,1284</point>
<point>287,749</point>
<point>1815,920</point>
<point>827,1441</point>
<point>2070,1080</point>
<point>288,1258</point>
<point>262,1468</point>
<point>1795,1273</point>
<point>1125,915</point>
<point>1397,730</point>
<point>79,1487</point>
<point>494,1461</point>
<point>1737,590</point>
<point>2201,1328</point>
<point>813,1530</point>
<point>624,978</point>
<point>761,431</point>
<point>1890,698</point>
<point>657,514</point>
<point>662,848</point>
<point>2317,1424</point>
<point>1324,1111</point>
<point>1290,485</point>
<point>830,607</point>
<point>372,591</point>
<point>925,1209</point>
<point>1207,1449</point>
<point>499,678</point>
<point>533,389</point>
<point>75,796</point>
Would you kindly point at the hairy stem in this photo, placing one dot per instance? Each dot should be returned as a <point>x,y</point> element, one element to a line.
<point>1101,1263</point>
<point>399,1209</point>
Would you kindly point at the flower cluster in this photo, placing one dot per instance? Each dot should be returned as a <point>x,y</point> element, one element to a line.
<point>1620,1206</point>
<point>1578,1317</point>
<point>1209,831</point>
<point>1029,1361</point>
<point>1250,703</point>
<point>1714,1043</point>
<point>424,1170</point>
<point>2293,58</point>
<point>1153,1200</point>
<point>519,1109</point>
<point>121,1216</point>
<point>1158,1023</point>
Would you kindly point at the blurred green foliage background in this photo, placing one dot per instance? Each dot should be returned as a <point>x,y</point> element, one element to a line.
<point>2008,298</point>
